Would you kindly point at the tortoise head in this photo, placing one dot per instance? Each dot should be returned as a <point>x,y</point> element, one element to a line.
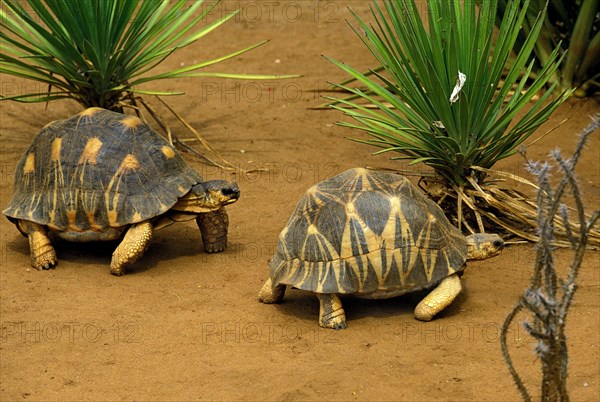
<point>208,196</point>
<point>483,245</point>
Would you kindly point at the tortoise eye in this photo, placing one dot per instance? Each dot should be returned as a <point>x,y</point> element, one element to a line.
<point>498,243</point>
<point>230,192</point>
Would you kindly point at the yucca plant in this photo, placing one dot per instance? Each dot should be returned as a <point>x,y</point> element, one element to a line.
<point>576,26</point>
<point>102,52</point>
<point>442,97</point>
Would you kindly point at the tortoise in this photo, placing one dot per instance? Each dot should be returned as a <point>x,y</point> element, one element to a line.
<point>373,235</point>
<point>102,175</point>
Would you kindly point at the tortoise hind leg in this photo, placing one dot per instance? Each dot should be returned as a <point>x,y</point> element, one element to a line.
<point>132,247</point>
<point>43,255</point>
<point>271,294</point>
<point>331,313</point>
<point>439,298</point>
<point>213,226</point>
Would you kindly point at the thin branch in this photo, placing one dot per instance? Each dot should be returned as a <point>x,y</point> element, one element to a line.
<point>511,368</point>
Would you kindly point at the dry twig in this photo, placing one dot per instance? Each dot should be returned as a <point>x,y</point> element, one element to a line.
<point>548,297</point>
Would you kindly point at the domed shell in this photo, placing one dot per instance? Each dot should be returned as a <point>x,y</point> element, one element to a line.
<point>95,170</point>
<point>364,231</point>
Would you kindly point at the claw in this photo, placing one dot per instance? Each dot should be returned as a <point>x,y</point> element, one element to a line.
<point>214,249</point>
<point>341,325</point>
<point>44,265</point>
<point>117,272</point>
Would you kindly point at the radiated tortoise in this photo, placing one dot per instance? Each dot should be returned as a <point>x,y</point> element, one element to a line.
<point>374,235</point>
<point>100,175</point>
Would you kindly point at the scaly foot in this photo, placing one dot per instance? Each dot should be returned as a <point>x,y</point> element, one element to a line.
<point>132,247</point>
<point>331,313</point>
<point>269,294</point>
<point>213,226</point>
<point>439,298</point>
<point>42,253</point>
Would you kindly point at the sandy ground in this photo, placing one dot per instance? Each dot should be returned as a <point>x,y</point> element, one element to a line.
<point>184,325</point>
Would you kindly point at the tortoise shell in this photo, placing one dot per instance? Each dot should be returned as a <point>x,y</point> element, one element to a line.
<point>98,170</point>
<point>366,231</point>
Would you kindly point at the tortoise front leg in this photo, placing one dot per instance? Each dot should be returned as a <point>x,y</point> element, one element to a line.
<point>132,247</point>
<point>213,226</point>
<point>331,313</point>
<point>269,294</point>
<point>42,253</point>
<point>439,298</point>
